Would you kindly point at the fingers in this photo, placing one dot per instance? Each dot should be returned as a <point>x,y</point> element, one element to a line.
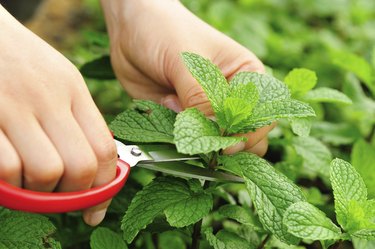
<point>10,163</point>
<point>189,92</point>
<point>103,146</point>
<point>80,164</point>
<point>256,143</point>
<point>42,165</point>
<point>172,102</point>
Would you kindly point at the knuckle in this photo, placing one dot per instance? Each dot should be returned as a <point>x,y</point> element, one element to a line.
<point>50,173</point>
<point>84,168</point>
<point>195,97</point>
<point>106,151</point>
<point>11,168</point>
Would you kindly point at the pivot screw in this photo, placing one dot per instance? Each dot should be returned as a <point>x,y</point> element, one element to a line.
<point>135,151</point>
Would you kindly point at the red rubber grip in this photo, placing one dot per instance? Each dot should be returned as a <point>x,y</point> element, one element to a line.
<point>60,202</point>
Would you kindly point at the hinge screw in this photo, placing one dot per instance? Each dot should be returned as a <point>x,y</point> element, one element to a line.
<point>135,151</point>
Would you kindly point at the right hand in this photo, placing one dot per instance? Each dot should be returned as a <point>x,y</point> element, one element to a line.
<point>52,136</point>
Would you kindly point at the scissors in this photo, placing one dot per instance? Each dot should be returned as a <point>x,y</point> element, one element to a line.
<point>161,158</point>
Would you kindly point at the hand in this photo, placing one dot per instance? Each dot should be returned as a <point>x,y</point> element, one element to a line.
<point>52,136</point>
<point>147,38</point>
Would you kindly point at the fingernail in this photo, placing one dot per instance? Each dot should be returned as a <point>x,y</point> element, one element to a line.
<point>213,118</point>
<point>96,217</point>
<point>235,148</point>
<point>172,104</point>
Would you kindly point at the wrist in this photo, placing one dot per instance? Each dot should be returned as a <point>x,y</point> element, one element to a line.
<point>123,14</point>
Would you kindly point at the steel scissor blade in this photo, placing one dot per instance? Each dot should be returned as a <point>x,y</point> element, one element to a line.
<point>183,169</point>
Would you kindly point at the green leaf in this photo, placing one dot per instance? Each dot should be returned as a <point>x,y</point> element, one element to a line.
<point>360,216</point>
<point>329,95</point>
<point>316,156</point>
<point>209,77</point>
<point>271,192</point>
<point>272,111</point>
<point>238,107</point>
<point>171,196</point>
<point>226,240</point>
<point>355,64</point>
<point>194,133</point>
<point>367,234</point>
<point>300,81</point>
<point>171,240</point>
<point>301,126</point>
<point>269,88</point>
<point>241,215</point>
<point>104,238</point>
<point>347,185</point>
<point>363,160</point>
<point>307,222</point>
<point>99,68</point>
<point>247,92</point>
<point>235,111</point>
<point>25,230</point>
<point>146,122</point>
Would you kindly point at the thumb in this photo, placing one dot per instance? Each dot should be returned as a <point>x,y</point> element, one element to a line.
<point>189,92</point>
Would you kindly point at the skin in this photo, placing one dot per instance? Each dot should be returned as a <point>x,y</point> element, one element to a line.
<point>147,38</point>
<point>52,136</point>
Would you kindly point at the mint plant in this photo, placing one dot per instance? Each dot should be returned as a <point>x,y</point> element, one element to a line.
<point>354,212</point>
<point>249,101</point>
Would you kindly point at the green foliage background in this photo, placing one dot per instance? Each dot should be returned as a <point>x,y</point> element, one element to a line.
<point>319,35</point>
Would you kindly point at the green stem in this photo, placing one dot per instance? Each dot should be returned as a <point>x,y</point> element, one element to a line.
<point>261,246</point>
<point>196,235</point>
<point>213,161</point>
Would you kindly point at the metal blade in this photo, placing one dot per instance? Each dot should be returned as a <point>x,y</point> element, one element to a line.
<point>163,153</point>
<point>187,170</point>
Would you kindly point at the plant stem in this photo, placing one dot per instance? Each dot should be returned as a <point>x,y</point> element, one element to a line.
<point>196,235</point>
<point>213,161</point>
<point>261,246</point>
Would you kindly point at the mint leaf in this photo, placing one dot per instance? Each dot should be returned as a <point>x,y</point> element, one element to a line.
<point>269,88</point>
<point>360,215</point>
<point>194,134</point>
<point>367,234</point>
<point>209,77</point>
<point>271,192</point>
<point>241,215</point>
<point>363,160</point>
<point>171,240</point>
<point>267,112</point>
<point>307,222</point>
<point>347,185</point>
<point>300,81</point>
<point>25,230</point>
<point>329,95</point>
<point>104,238</point>
<point>172,196</point>
<point>146,122</point>
<point>235,111</point>
<point>355,64</point>
<point>226,240</point>
<point>301,126</point>
<point>316,156</point>
<point>238,107</point>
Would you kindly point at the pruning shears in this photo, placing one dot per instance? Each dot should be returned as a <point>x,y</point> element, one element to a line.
<point>161,158</point>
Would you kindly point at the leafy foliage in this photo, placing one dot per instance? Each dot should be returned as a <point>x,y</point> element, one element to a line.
<point>182,205</point>
<point>145,122</point>
<point>332,47</point>
<point>24,230</point>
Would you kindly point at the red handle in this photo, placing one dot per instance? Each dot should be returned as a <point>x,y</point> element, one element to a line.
<point>40,202</point>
